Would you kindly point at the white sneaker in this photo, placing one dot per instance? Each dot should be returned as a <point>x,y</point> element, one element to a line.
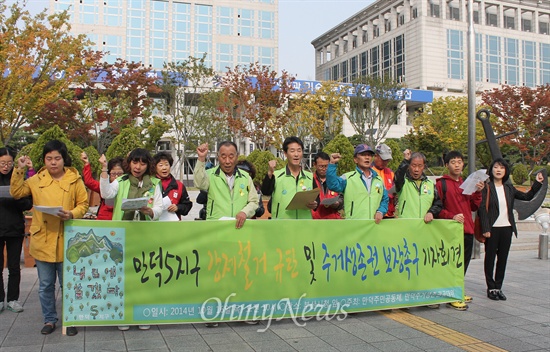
<point>15,307</point>
<point>144,327</point>
<point>124,327</point>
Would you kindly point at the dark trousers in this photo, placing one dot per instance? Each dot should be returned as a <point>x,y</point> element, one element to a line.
<point>13,249</point>
<point>498,245</point>
<point>468,247</point>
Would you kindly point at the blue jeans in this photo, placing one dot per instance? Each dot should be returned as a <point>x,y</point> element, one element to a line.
<point>46,289</point>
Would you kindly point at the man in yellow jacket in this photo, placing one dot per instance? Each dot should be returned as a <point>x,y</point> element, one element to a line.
<point>56,184</point>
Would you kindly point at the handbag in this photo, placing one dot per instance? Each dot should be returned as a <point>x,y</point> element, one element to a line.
<point>478,232</point>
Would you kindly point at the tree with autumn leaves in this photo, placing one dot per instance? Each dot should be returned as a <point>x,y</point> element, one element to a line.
<point>39,60</point>
<point>526,110</point>
<point>255,103</point>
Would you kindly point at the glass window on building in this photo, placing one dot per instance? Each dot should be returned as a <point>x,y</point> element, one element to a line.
<point>386,58</point>
<point>225,20</point>
<point>454,11</point>
<point>335,75</point>
<point>112,13</point>
<point>89,12</point>
<point>509,22</point>
<point>158,33</point>
<point>246,23</point>
<point>364,63</point>
<point>479,57</point>
<point>544,63</point>
<point>455,54</point>
<point>65,5</point>
<point>94,39</point>
<point>181,31</point>
<point>203,32</point>
<point>224,57</point>
<point>529,63</point>
<point>434,9</point>
<point>511,61</point>
<point>493,59</point>
<point>113,45</point>
<point>266,56</point>
<point>353,68</point>
<point>267,24</point>
<point>526,25</point>
<point>399,58</point>
<point>491,16</point>
<point>544,27</point>
<point>135,33</point>
<point>345,76</point>
<point>375,61</point>
<point>245,55</point>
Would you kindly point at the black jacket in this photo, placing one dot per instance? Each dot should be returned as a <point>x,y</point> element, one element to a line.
<point>489,217</point>
<point>12,220</point>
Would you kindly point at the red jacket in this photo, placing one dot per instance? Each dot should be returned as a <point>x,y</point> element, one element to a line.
<point>104,212</point>
<point>323,212</point>
<point>454,202</point>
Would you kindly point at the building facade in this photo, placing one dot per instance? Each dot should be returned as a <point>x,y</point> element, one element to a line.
<point>230,32</point>
<point>423,43</point>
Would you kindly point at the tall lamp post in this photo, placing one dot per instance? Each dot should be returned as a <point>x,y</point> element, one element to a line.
<point>472,104</point>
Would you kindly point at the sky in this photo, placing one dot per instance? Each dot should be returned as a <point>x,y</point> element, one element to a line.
<point>300,22</point>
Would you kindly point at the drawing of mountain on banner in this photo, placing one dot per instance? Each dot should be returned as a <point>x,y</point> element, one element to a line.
<point>85,244</point>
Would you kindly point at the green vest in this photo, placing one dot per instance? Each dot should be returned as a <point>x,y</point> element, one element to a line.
<point>221,202</point>
<point>358,202</point>
<point>123,188</point>
<point>285,189</point>
<point>413,201</point>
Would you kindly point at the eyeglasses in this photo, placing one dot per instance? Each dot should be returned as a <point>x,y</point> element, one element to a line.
<point>116,174</point>
<point>321,166</point>
<point>4,163</point>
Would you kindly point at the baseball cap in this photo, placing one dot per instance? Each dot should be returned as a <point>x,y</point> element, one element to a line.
<point>384,151</point>
<point>362,148</point>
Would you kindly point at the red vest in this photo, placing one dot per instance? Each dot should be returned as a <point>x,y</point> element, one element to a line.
<point>323,212</point>
<point>387,175</point>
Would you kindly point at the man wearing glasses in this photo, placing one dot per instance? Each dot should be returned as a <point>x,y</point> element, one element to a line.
<point>329,202</point>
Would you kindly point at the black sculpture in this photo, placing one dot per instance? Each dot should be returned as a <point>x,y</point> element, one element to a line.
<point>523,208</point>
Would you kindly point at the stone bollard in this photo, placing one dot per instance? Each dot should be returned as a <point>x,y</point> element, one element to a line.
<point>543,246</point>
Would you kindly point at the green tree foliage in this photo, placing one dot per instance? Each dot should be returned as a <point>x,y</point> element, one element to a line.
<point>396,153</point>
<point>154,128</point>
<point>319,114</point>
<point>520,174</point>
<point>260,160</point>
<point>93,158</point>
<point>128,140</point>
<point>341,144</point>
<point>39,60</point>
<point>374,107</point>
<point>54,133</point>
<point>441,127</point>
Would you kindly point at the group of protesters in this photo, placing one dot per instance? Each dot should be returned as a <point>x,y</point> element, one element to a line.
<point>371,191</point>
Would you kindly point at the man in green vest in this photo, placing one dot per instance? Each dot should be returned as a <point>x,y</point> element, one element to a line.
<point>284,183</point>
<point>365,196</point>
<point>416,194</point>
<point>231,191</point>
